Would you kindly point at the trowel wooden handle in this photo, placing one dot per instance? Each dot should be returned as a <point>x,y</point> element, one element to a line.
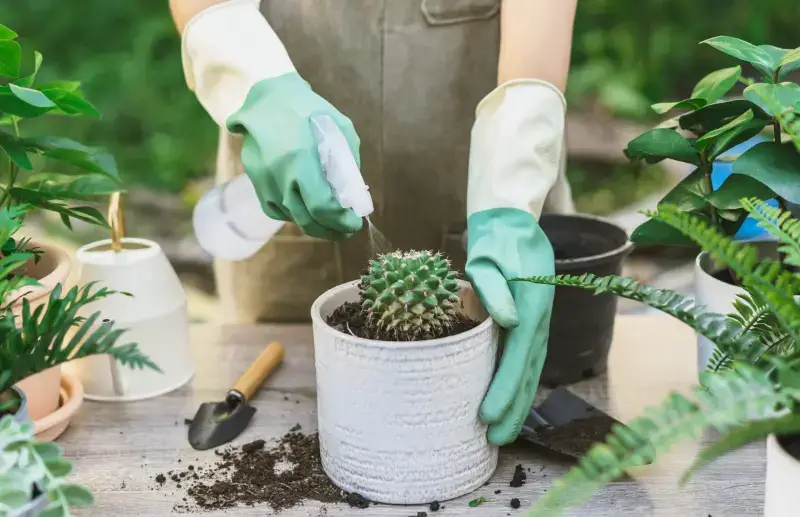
<point>251,380</point>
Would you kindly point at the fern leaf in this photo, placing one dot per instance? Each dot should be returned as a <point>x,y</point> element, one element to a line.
<point>729,400</point>
<point>725,333</point>
<point>740,436</point>
<point>774,285</point>
<point>780,224</point>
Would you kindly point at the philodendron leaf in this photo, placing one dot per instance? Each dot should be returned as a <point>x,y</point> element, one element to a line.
<point>10,53</point>
<point>738,130</point>
<point>790,61</point>
<point>74,153</point>
<point>715,85</point>
<point>15,150</point>
<point>776,166</point>
<point>690,193</point>
<point>83,188</point>
<point>773,97</point>
<point>33,97</point>
<point>743,51</point>
<point>13,105</point>
<point>71,103</point>
<point>658,144</point>
<point>6,33</point>
<point>28,80</point>
<point>736,187</point>
<point>70,86</point>
<point>692,104</point>
<point>713,116</point>
<point>657,232</point>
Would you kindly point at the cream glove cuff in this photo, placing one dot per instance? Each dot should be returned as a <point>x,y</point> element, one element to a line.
<point>226,49</point>
<point>516,147</point>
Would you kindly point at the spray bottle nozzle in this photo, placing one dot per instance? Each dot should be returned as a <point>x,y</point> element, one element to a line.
<point>339,166</point>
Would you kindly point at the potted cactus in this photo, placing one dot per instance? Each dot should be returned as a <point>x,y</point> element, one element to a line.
<point>404,357</point>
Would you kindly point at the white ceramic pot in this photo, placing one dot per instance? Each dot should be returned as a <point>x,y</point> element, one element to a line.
<point>783,478</point>
<point>398,421</point>
<point>717,296</point>
<point>155,316</point>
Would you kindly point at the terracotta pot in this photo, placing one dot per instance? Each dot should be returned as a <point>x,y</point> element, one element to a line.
<point>70,398</point>
<point>398,421</point>
<point>42,389</point>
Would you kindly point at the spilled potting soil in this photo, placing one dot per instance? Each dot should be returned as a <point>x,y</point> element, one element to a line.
<point>577,436</point>
<point>282,476</point>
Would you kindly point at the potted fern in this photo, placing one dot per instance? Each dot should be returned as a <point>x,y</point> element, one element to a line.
<point>403,360</point>
<point>749,390</point>
<point>708,127</point>
<point>44,173</point>
<point>33,475</point>
<point>43,337</point>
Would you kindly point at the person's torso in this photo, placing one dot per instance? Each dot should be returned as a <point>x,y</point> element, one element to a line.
<point>409,74</point>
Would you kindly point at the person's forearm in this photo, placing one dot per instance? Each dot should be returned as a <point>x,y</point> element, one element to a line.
<point>536,40</point>
<point>184,10</point>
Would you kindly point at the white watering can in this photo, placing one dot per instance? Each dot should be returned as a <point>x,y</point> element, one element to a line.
<point>155,315</point>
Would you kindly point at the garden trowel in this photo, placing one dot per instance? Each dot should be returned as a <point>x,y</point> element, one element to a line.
<point>566,424</point>
<point>217,423</point>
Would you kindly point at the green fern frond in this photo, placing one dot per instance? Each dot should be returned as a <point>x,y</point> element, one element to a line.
<point>776,286</point>
<point>753,316</point>
<point>740,436</point>
<point>780,224</point>
<point>725,333</point>
<point>728,400</point>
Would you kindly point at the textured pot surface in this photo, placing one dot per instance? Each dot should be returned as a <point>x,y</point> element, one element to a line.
<point>582,324</point>
<point>783,478</point>
<point>398,421</point>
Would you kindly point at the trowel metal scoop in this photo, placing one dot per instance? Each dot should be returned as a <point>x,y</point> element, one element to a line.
<point>559,409</point>
<point>217,423</point>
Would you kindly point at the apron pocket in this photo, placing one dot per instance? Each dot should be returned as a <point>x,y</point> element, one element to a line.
<point>449,12</point>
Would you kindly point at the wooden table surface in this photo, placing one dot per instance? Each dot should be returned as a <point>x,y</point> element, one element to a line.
<point>119,448</point>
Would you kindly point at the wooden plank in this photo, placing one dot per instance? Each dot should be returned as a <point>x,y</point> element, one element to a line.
<point>119,448</point>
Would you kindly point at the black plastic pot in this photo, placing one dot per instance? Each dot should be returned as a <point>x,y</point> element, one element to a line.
<point>582,323</point>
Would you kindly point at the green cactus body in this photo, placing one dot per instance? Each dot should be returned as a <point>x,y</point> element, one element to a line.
<point>411,293</point>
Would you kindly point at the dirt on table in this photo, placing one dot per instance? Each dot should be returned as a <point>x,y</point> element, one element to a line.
<point>283,475</point>
<point>577,436</point>
<point>351,319</point>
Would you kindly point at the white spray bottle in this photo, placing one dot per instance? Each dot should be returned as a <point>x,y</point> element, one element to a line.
<point>229,222</point>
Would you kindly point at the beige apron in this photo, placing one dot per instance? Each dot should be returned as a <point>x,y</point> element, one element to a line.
<point>409,73</point>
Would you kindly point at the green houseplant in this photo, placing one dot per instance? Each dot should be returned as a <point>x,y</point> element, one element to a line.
<point>47,174</point>
<point>751,388</point>
<point>708,126</point>
<point>33,474</point>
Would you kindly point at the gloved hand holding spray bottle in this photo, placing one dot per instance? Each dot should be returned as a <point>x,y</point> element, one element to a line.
<point>229,220</point>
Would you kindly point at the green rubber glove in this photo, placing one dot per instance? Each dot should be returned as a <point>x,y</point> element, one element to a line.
<point>503,244</point>
<point>280,156</point>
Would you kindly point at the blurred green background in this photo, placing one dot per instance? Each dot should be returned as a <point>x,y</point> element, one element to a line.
<point>627,54</point>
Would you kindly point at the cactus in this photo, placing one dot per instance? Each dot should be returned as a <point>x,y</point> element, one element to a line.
<point>411,294</point>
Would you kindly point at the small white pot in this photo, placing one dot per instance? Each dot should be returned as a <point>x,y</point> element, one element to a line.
<point>398,421</point>
<point>783,478</point>
<point>716,296</point>
<point>155,317</point>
